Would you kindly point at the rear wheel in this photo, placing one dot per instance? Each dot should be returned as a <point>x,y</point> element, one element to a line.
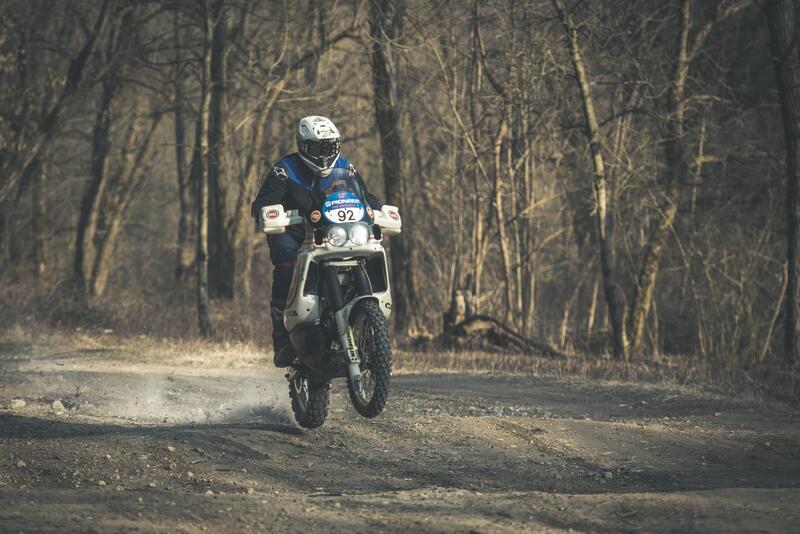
<point>310,401</point>
<point>371,332</point>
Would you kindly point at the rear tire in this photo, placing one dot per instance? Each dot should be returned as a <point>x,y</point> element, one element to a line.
<point>371,331</point>
<point>310,401</point>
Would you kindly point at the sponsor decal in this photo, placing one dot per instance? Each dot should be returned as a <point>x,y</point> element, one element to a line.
<point>342,203</point>
<point>272,214</point>
<point>394,215</point>
<point>315,216</point>
<point>343,207</point>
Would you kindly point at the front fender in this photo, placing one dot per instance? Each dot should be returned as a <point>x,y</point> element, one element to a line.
<point>343,315</point>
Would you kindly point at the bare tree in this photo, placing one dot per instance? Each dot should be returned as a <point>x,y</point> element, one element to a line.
<point>385,24</point>
<point>558,211</point>
<point>786,59</point>
<point>593,135</point>
<point>689,45</point>
<point>88,220</point>
<point>185,250</point>
<point>14,168</point>
<point>213,10</point>
<point>222,257</point>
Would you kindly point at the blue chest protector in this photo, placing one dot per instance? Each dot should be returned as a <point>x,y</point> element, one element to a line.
<point>299,173</point>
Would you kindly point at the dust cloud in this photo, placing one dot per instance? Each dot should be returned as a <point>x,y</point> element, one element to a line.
<point>180,399</point>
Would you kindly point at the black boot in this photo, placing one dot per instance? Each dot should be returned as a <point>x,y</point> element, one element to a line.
<point>284,353</point>
<point>281,346</point>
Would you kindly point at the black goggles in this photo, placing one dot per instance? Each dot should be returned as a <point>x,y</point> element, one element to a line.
<point>322,149</point>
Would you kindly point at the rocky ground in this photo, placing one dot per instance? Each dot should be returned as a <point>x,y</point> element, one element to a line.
<point>116,437</point>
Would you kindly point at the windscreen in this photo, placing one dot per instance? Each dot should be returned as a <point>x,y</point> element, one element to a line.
<point>341,197</point>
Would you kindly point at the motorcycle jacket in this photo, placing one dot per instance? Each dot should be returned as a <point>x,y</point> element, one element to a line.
<point>289,183</point>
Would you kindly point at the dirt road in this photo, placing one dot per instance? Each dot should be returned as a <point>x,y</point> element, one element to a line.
<point>159,440</point>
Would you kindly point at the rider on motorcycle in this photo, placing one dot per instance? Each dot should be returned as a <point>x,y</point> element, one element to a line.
<point>289,183</point>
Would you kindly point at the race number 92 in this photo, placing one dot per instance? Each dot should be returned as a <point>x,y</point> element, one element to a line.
<point>344,215</point>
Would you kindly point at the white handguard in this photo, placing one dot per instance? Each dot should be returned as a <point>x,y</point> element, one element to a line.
<point>389,220</point>
<point>274,219</point>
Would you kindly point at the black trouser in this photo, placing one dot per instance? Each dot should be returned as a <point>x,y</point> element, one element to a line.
<point>282,253</point>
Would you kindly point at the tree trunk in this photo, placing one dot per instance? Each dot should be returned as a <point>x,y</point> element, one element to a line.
<point>505,247</point>
<point>105,253</point>
<point>677,173</point>
<point>590,317</point>
<point>5,240</point>
<point>203,321</point>
<point>39,222</point>
<point>384,17</point>
<point>222,256</point>
<point>241,238</point>
<point>615,306</point>
<point>529,252</point>
<point>785,57</point>
<point>481,222</point>
<point>127,182</point>
<point>185,253</point>
<point>85,247</point>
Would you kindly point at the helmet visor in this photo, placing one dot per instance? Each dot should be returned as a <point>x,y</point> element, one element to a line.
<point>322,149</point>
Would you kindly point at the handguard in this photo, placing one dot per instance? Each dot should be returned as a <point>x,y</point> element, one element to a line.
<point>389,220</point>
<point>274,219</point>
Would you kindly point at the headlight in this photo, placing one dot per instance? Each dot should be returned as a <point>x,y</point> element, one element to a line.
<point>337,236</point>
<point>359,234</point>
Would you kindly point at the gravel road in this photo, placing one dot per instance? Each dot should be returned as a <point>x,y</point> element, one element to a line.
<point>116,440</point>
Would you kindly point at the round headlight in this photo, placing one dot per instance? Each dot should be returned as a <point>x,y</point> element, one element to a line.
<point>337,236</point>
<point>359,234</point>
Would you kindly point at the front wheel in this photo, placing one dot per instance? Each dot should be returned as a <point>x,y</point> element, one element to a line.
<point>310,401</point>
<point>371,332</point>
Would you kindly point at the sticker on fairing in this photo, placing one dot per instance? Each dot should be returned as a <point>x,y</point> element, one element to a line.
<point>343,207</point>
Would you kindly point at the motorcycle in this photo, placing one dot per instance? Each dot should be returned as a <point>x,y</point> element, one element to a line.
<point>339,299</point>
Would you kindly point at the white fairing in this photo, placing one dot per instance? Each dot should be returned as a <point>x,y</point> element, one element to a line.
<point>274,219</point>
<point>302,308</point>
<point>389,220</point>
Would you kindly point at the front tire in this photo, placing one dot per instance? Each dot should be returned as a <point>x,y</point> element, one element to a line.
<point>371,332</point>
<point>310,401</point>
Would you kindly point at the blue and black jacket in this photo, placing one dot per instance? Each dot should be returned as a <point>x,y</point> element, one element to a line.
<point>289,183</point>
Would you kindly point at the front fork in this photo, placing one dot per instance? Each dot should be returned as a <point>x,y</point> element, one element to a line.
<point>334,294</point>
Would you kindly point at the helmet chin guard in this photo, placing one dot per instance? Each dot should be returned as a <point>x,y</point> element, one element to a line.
<point>318,143</point>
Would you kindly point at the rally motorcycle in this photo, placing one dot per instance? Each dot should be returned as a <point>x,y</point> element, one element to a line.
<point>339,299</point>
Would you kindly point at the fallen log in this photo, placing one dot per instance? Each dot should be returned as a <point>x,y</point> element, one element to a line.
<point>484,330</point>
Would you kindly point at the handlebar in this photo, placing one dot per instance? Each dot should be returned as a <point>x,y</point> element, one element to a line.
<point>274,219</point>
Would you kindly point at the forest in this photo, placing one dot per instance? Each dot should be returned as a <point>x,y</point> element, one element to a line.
<point>615,179</point>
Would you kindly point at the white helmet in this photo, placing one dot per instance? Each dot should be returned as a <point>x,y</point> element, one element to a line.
<point>318,143</point>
